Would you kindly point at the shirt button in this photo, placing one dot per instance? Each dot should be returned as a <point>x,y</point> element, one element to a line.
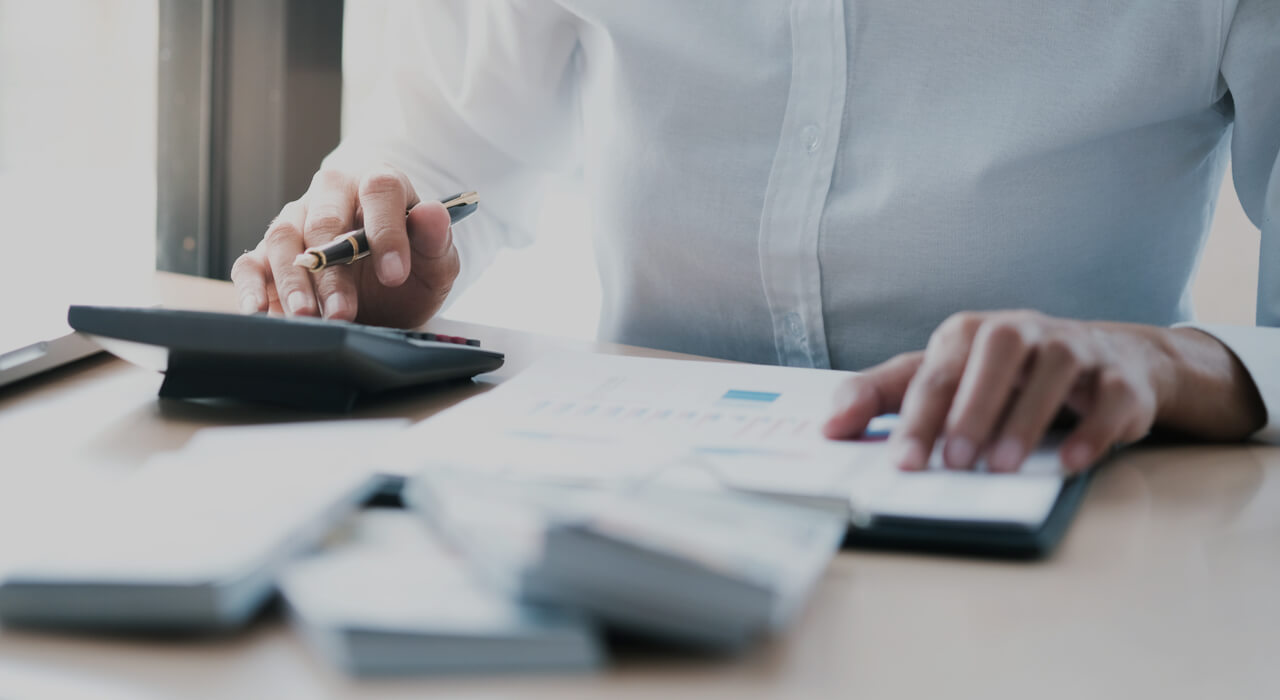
<point>810,137</point>
<point>791,322</point>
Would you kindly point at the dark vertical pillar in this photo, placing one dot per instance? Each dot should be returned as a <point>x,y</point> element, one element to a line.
<point>250,101</point>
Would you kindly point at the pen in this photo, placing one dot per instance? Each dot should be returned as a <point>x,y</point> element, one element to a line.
<point>353,245</point>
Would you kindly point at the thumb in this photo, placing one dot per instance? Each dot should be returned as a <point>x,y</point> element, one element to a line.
<point>434,259</point>
<point>877,391</point>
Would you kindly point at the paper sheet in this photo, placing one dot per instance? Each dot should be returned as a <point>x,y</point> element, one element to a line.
<point>585,418</point>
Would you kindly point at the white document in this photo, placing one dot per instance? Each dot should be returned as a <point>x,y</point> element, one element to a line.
<point>357,439</point>
<point>589,418</point>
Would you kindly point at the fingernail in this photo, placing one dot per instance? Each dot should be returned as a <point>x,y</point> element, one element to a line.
<point>960,452</point>
<point>1078,457</point>
<point>297,302</point>
<point>1007,455</point>
<point>249,304</point>
<point>391,269</point>
<point>335,305</point>
<point>909,455</point>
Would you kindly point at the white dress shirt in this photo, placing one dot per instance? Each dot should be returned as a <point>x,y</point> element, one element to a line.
<point>820,183</point>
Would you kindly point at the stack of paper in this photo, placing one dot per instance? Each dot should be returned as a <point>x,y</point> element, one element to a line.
<point>193,540</point>
<point>385,597</point>
<point>707,567</point>
<point>189,543</point>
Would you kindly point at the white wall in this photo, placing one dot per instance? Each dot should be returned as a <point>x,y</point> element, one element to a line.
<point>1226,283</point>
<point>77,150</point>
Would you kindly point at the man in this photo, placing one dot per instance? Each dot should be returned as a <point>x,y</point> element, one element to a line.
<point>1019,188</point>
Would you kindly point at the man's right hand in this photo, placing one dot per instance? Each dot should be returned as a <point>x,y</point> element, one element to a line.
<point>402,284</point>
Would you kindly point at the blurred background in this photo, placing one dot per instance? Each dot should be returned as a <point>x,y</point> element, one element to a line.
<point>80,82</point>
<point>77,141</point>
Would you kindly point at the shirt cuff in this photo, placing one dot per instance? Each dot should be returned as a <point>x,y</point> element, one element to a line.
<point>1258,349</point>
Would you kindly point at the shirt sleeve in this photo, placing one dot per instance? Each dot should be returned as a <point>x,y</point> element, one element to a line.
<point>1251,73</point>
<point>1258,349</point>
<point>471,95</point>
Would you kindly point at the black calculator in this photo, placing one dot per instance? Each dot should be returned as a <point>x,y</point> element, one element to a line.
<point>299,362</point>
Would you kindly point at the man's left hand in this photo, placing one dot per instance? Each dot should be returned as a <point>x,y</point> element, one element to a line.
<point>988,385</point>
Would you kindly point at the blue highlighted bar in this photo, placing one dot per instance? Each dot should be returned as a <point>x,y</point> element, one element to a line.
<point>740,395</point>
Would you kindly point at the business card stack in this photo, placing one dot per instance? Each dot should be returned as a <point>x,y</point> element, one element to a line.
<point>714,569</point>
<point>384,597</point>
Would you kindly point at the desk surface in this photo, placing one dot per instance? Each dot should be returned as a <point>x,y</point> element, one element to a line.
<point>1167,585</point>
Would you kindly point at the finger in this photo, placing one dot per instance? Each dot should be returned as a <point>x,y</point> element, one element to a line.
<point>283,244</point>
<point>1055,370</point>
<point>273,296</point>
<point>932,390</point>
<point>385,195</point>
<point>877,391</point>
<point>331,204</point>
<point>1114,416</point>
<point>274,306</point>
<point>999,354</point>
<point>336,291</point>
<point>251,276</point>
<point>434,257</point>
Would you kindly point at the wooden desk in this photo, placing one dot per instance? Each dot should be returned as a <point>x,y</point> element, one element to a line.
<point>1167,585</point>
